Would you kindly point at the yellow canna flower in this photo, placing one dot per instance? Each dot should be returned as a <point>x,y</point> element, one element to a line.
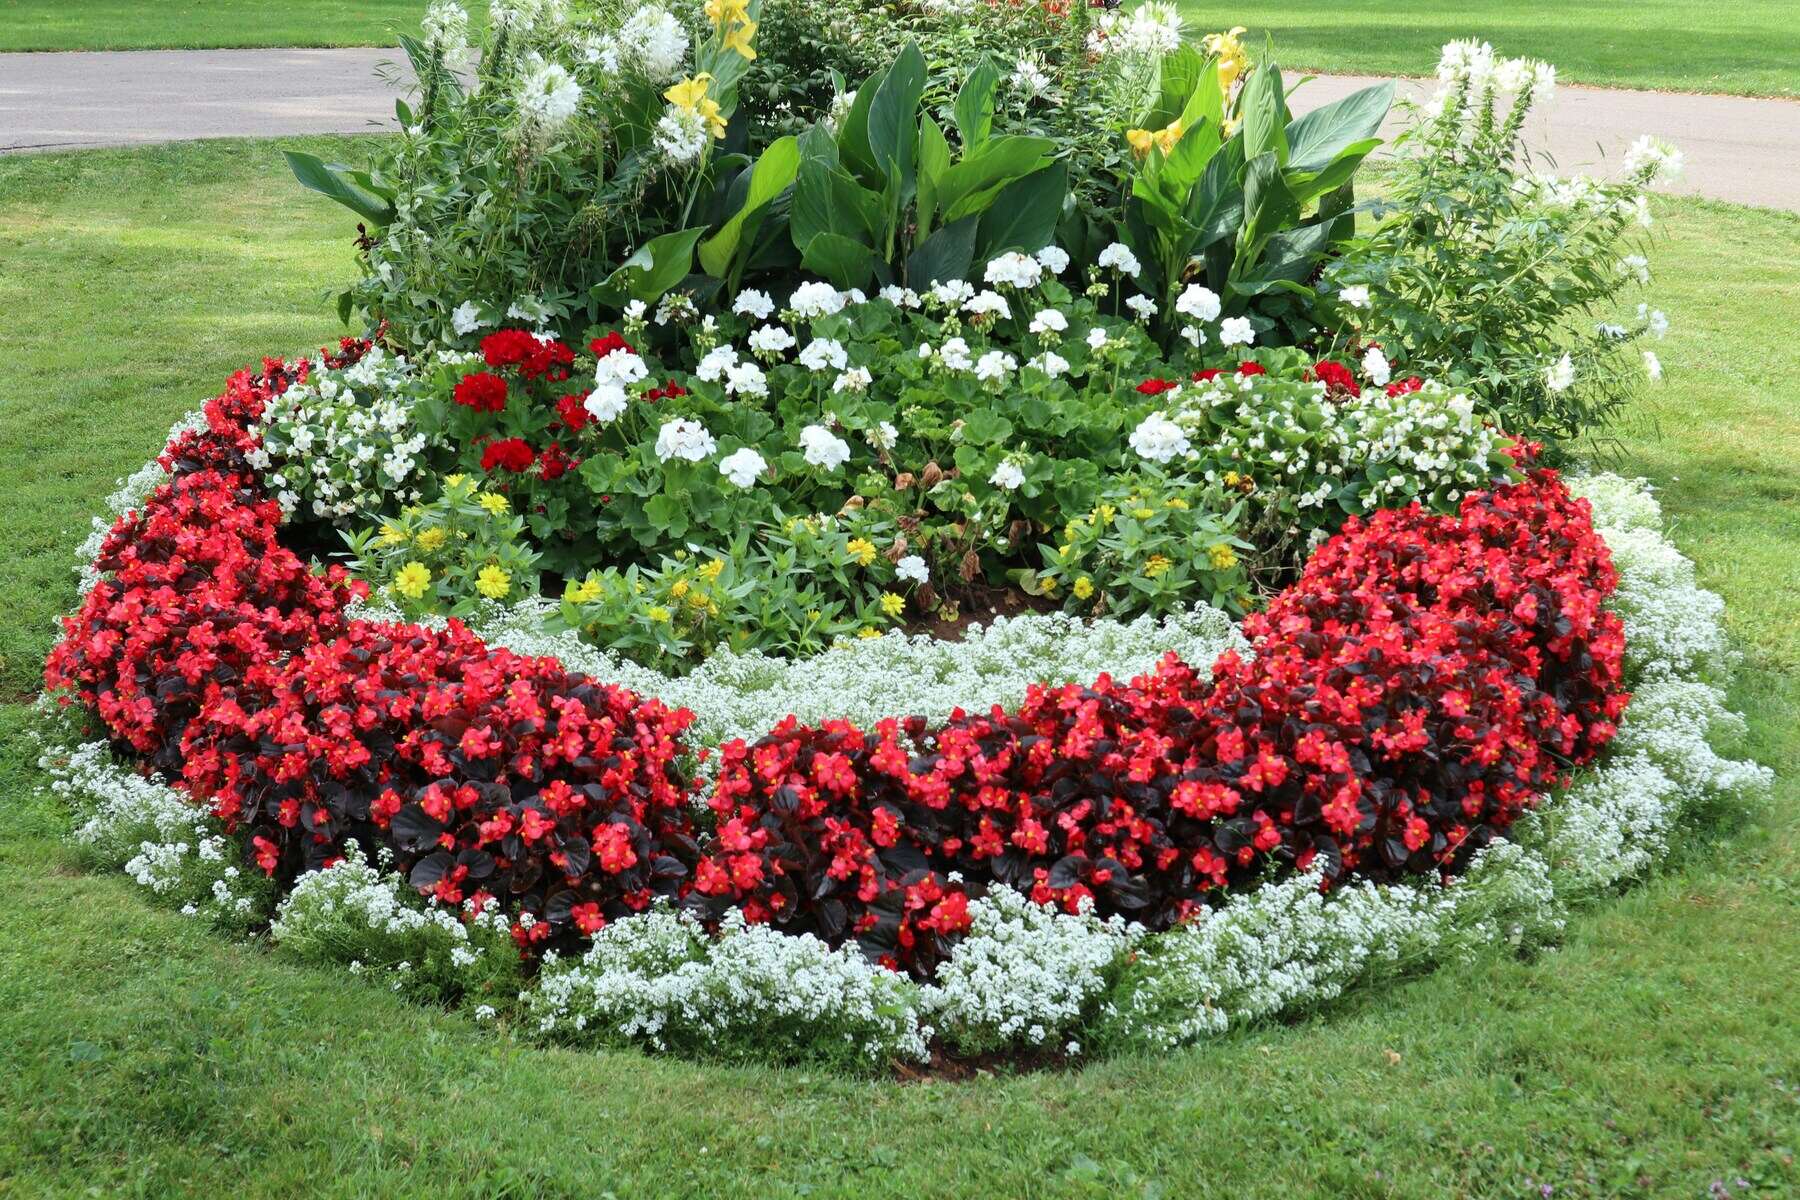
<point>892,603</point>
<point>494,581</point>
<point>689,95</point>
<point>1168,135</point>
<point>412,580</point>
<point>1226,47</point>
<point>726,12</point>
<point>738,38</point>
<point>1141,140</point>
<point>494,502</point>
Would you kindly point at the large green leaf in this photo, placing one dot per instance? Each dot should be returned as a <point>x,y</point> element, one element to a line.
<point>894,117</point>
<point>934,163</point>
<point>1268,208</point>
<point>773,172</point>
<point>1308,185</point>
<point>1288,258</point>
<point>1263,108</point>
<point>968,186</point>
<point>974,109</point>
<point>846,262</point>
<point>1326,132</point>
<point>1024,215</point>
<point>653,268</point>
<point>340,184</point>
<point>946,254</point>
<point>828,200</point>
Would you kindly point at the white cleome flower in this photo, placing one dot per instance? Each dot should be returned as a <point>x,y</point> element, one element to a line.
<point>1236,331</point>
<point>1159,439</point>
<point>1198,303</point>
<point>1654,158</point>
<point>742,467</point>
<point>824,448</point>
<point>655,41</point>
<point>1652,366</point>
<point>548,97</point>
<point>681,135</point>
<point>1559,376</point>
<point>684,439</point>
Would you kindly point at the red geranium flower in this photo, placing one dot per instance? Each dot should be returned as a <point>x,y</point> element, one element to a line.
<point>1156,387</point>
<point>508,454</point>
<point>1336,377</point>
<point>482,392</point>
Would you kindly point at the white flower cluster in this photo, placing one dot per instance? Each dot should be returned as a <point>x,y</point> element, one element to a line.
<point>356,914</point>
<point>750,991</point>
<point>344,440</point>
<point>1150,30</point>
<point>1025,974</point>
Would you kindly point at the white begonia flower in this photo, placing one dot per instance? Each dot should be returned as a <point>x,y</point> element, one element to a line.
<point>1054,258</point>
<point>884,436</point>
<point>954,355</point>
<point>1143,306</point>
<point>812,300</point>
<point>913,569</point>
<point>1652,366</point>
<point>1198,303</point>
<point>952,292</point>
<point>1050,363</point>
<point>1559,376</point>
<point>856,379</point>
<point>1159,439</point>
<point>467,317</point>
<point>606,402</point>
<point>684,439</point>
<point>715,363</point>
<point>995,364</point>
<point>746,379</point>
<point>1049,320</point>
<point>1013,269</point>
<point>988,304</point>
<point>1007,476</point>
<point>655,41</point>
<point>743,467</point>
<point>771,340</point>
<point>620,366</point>
<point>754,304</point>
<point>1376,366</point>
<point>1119,257</point>
<point>824,448</point>
<point>1236,331</point>
<point>548,97</point>
<point>1356,296</point>
<point>824,354</point>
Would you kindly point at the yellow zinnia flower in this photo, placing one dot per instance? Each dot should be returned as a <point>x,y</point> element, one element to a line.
<point>391,534</point>
<point>892,603</point>
<point>1223,557</point>
<point>1157,565</point>
<point>493,581</point>
<point>412,580</point>
<point>432,538</point>
<point>679,588</point>
<point>867,632</point>
<point>1084,587</point>
<point>493,502</point>
<point>862,550</point>
<point>585,592</point>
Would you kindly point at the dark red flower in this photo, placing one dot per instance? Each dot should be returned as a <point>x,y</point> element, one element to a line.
<point>1402,387</point>
<point>507,454</point>
<point>1251,368</point>
<point>482,392</point>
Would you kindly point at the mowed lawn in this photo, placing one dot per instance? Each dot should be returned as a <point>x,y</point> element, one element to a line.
<point>1653,1053</point>
<point>1745,47</point>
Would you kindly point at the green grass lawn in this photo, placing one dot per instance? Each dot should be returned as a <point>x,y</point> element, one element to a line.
<point>1655,1052</point>
<point>1746,47</point>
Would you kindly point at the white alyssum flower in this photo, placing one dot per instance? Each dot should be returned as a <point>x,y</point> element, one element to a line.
<point>754,304</point>
<point>743,467</point>
<point>1159,439</point>
<point>684,439</point>
<point>913,569</point>
<point>1013,269</point>
<point>1119,257</point>
<point>1376,366</point>
<point>1236,331</point>
<point>1559,376</point>
<point>1198,303</point>
<point>1007,476</point>
<point>824,448</point>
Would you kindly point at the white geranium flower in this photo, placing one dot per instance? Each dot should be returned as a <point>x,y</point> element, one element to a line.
<point>1559,376</point>
<point>1236,331</point>
<point>467,317</point>
<point>913,569</point>
<point>621,367</point>
<point>995,364</point>
<point>900,297</point>
<point>715,363</point>
<point>824,354</point>
<point>1159,439</point>
<point>606,403</point>
<point>1049,320</point>
<point>988,304</point>
<point>1013,269</point>
<point>1356,296</point>
<point>1096,338</point>
<point>1054,258</point>
<point>1119,257</point>
<point>1143,306</point>
<point>1008,476</point>
<point>754,304</point>
<point>742,467</point>
<point>824,448</point>
<point>1050,363</point>
<point>746,379</point>
<point>771,340</point>
<point>684,439</point>
<point>1198,303</point>
<point>1376,366</point>
<point>952,292</point>
<point>812,300</point>
<point>884,436</point>
<point>954,355</point>
<point>856,379</point>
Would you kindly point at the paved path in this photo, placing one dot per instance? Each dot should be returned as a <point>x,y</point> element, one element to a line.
<point>1744,150</point>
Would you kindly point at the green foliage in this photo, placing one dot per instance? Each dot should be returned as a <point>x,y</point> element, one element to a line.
<point>448,555</point>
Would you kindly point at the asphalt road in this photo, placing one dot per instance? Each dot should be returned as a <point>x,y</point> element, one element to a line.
<point>1737,149</point>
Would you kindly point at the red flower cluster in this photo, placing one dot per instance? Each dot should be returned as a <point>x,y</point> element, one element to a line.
<point>535,358</point>
<point>508,454</point>
<point>1243,368</point>
<point>1337,378</point>
<point>1407,698</point>
<point>221,656</point>
<point>482,392</point>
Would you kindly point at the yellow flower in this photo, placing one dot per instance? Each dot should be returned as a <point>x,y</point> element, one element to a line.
<point>432,538</point>
<point>1141,140</point>
<point>1084,587</point>
<point>454,480</point>
<point>412,580</point>
<point>1231,126</point>
<point>1177,502</point>
<point>494,581</point>
<point>494,502</point>
<point>1223,557</point>
<point>726,12</point>
<point>689,95</point>
<point>867,632</point>
<point>1049,583</point>
<point>862,550</point>
<point>712,570</point>
<point>738,38</point>
<point>1107,512</point>
<point>585,592</point>
<point>1232,478</point>
<point>392,534</point>
<point>1230,52</point>
<point>1143,514</point>
<point>1157,565</point>
<point>657,612</point>
<point>1168,135</point>
<point>892,603</point>
<point>679,588</point>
